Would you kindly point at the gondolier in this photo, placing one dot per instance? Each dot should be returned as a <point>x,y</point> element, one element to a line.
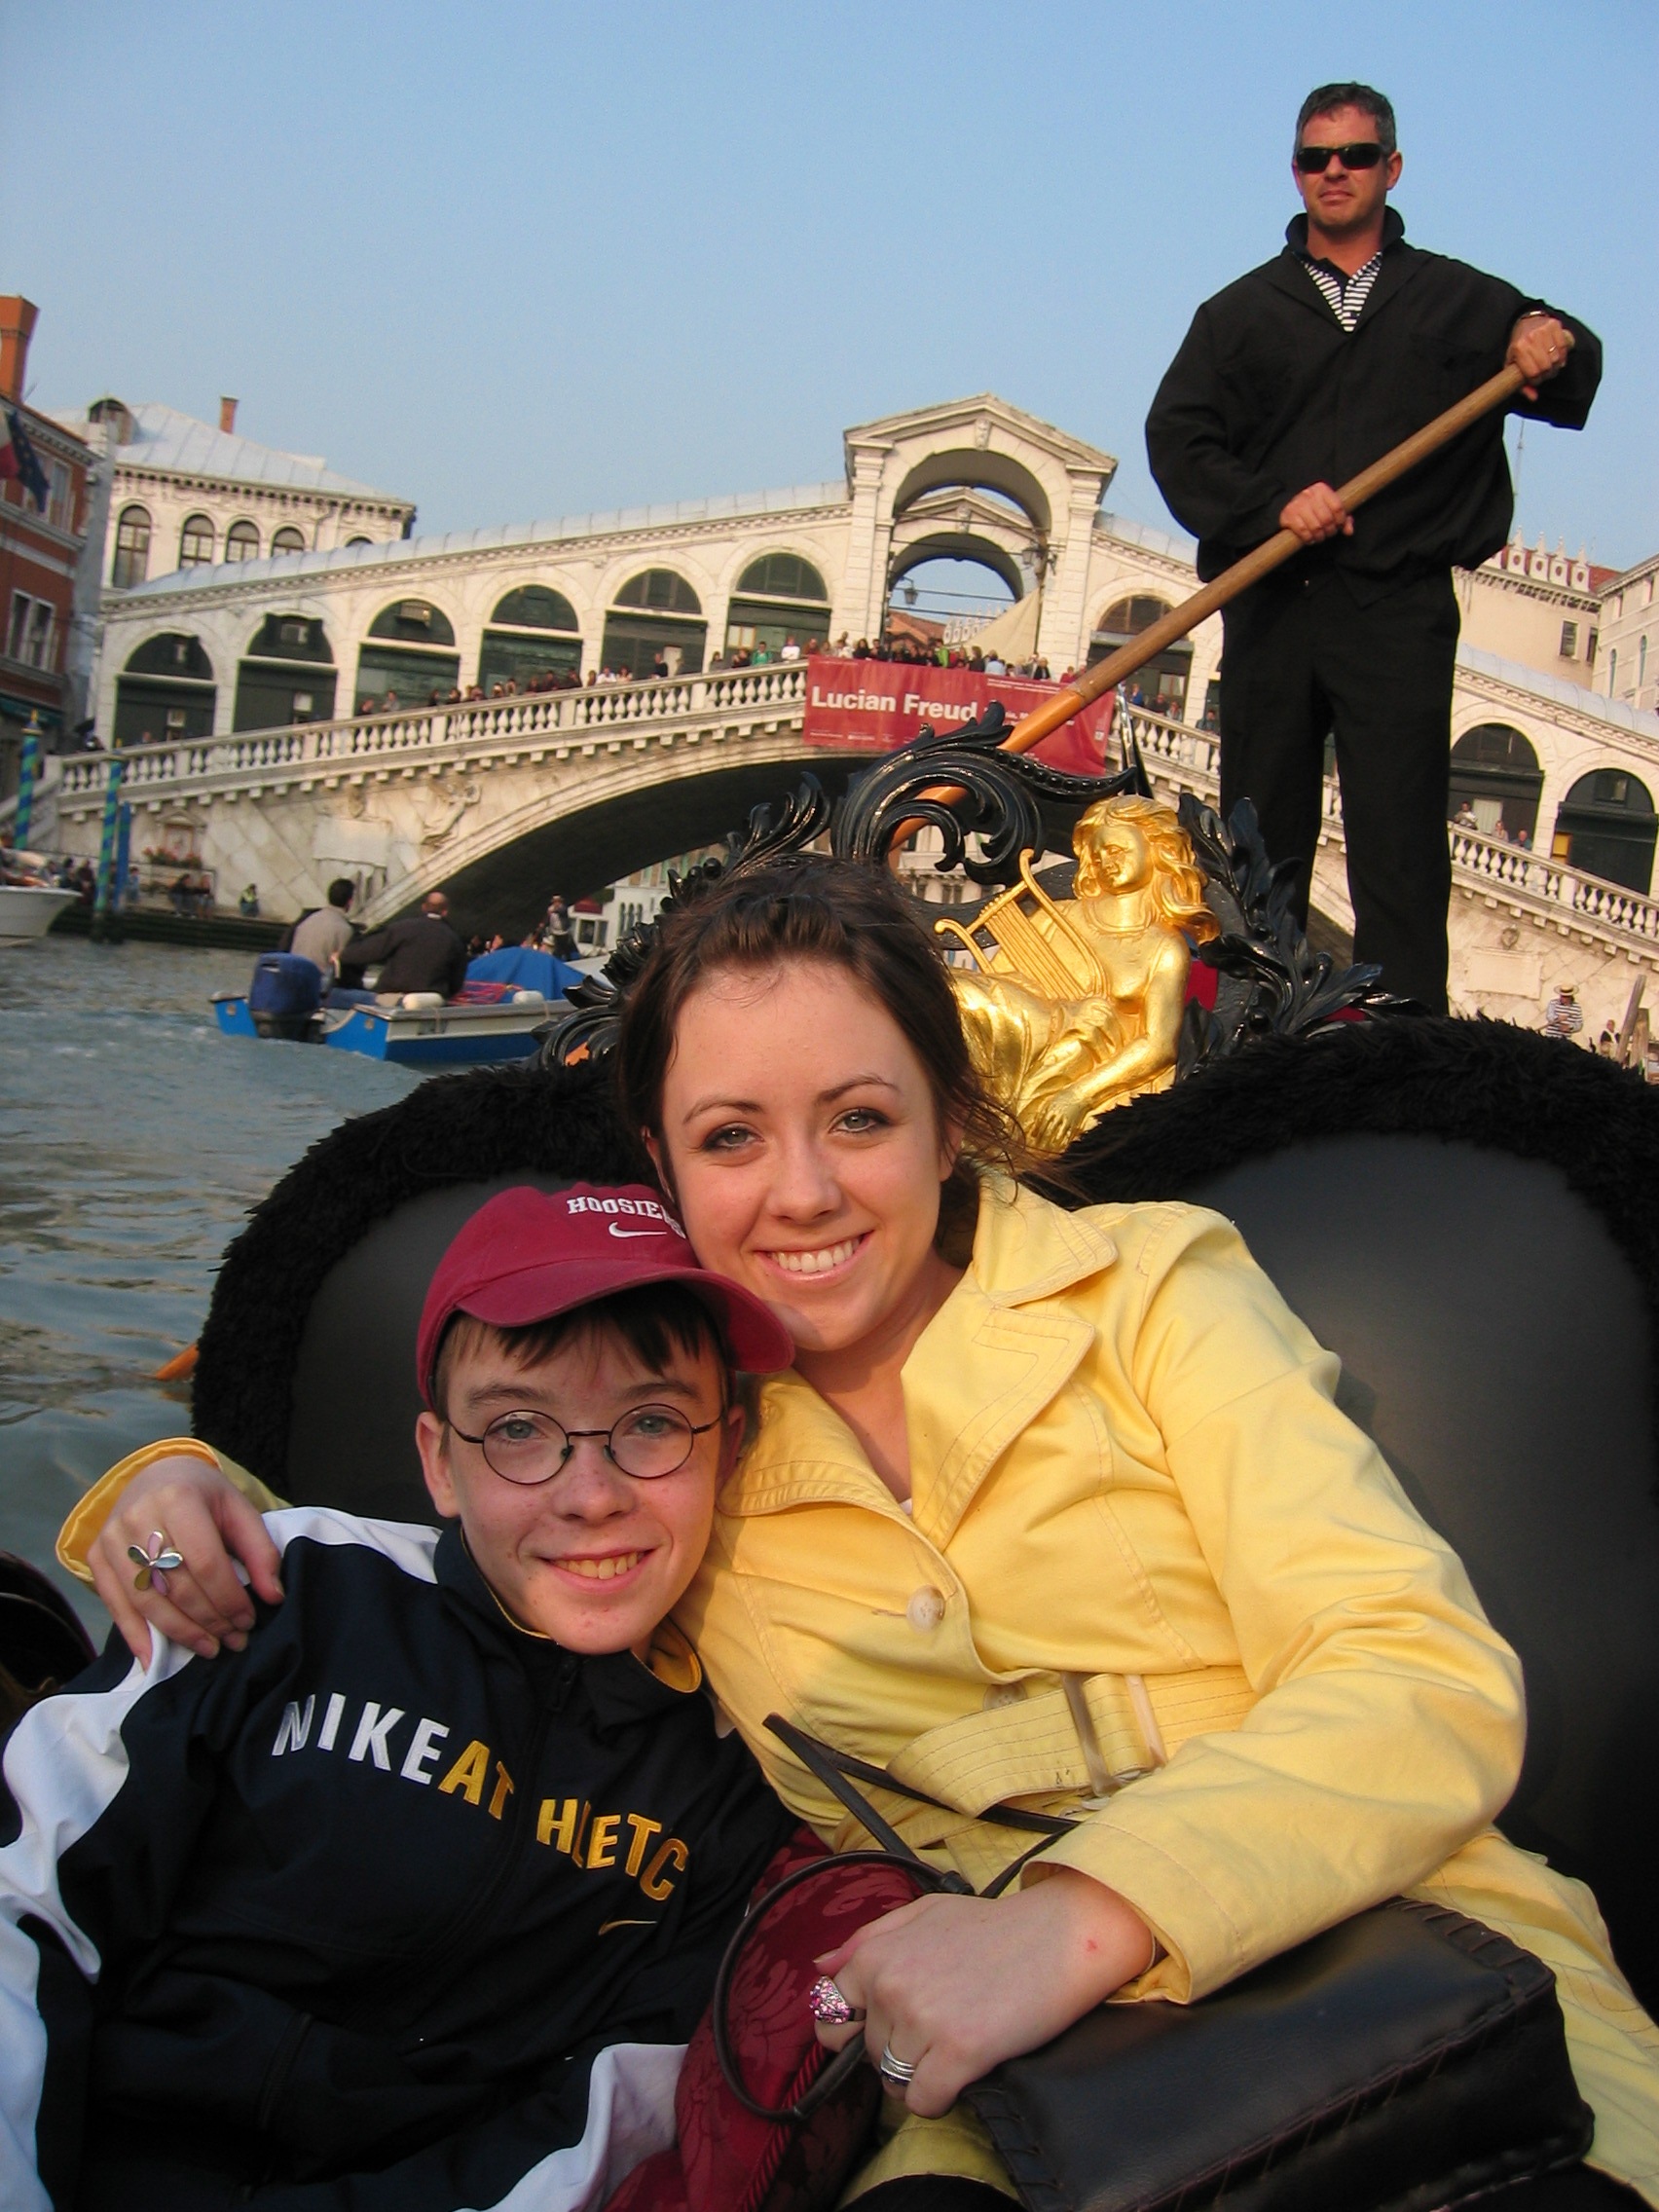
<point>1288,382</point>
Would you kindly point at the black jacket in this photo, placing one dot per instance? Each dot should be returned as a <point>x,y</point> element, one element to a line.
<point>419,953</point>
<point>1268,394</point>
<point>398,1893</point>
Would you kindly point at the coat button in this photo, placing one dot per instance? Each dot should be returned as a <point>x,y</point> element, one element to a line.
<point>1003,1693</point>
<point>926,1609</point>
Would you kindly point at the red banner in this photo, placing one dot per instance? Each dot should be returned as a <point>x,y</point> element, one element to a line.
<point>876,706</point>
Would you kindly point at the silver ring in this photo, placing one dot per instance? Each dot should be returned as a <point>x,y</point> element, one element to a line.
<point>901,2071</point>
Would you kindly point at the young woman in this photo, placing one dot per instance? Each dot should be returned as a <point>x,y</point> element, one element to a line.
<point>1056,1508</point>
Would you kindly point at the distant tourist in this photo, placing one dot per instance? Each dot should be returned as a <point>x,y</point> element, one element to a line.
<point>323,932</point>
<point>791,650</point>
<point>1564,1016</point>
<point>247,906</point>
<point>419,953</point>
<point>1465,818</point>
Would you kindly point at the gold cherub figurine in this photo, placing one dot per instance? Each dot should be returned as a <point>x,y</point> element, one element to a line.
<point>1074,1005</point>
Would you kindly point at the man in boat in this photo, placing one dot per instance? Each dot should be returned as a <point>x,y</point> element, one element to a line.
<point>1288,383</point>
<point>419,953</point>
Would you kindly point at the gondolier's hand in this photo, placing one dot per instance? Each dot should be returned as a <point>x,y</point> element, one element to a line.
<point>1539,346</point>
<point>208,1519</point>
<point>1315,515</point>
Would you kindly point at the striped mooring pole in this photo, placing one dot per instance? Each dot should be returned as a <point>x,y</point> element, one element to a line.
<point>108,845</point>
<point>28,767</point>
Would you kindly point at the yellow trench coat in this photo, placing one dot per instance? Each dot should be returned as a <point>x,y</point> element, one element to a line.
<point>1128,1466</point>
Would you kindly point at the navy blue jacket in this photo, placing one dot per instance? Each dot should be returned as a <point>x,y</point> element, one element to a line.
<point>397,1910</point>
<point>1268,394</point>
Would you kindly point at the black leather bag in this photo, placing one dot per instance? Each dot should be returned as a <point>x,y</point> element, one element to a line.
<point>1405,2060</point>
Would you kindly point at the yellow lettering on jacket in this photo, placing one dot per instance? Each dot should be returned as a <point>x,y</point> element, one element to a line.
<point>468,1772</point>
<point>643,1831</point>
<point>556,1823</point>
<point>656,1883</point>
<point>602,1843</point>
<point>502,1790</point>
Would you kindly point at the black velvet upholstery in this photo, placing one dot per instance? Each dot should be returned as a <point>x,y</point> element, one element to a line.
<point>1466,1213</point>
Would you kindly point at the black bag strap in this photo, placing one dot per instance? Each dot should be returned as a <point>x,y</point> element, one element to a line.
<point>838,1770</point>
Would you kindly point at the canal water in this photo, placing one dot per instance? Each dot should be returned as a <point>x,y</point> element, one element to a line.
<point>134,1141</point>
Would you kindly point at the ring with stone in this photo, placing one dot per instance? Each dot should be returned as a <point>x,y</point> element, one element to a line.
<point>826,2002</point>
<point>901,2071</point>
<point>160,1559</point>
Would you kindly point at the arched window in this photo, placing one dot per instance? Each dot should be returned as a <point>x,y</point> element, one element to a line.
<point>1162,683</point>
<point>534,635</point>
<point>242,543</point>
<point>286,674</point>
<point>131,562</point>
<point>196,542</point>
<point>1607,826</point>
<point>661,591</point>
<point>288,539</point>
<point>165,691</point>
<point>359,541</point>
<point>1496,777</point>
<point>666,631</point>
<point>783,576</point>
<point>778,598</point>
<point>408,655</point>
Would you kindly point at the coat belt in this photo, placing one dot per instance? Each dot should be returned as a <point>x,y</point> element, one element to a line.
<point>1031,1749</point>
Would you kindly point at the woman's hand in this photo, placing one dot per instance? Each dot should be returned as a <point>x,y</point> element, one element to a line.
<point>208,1519</point>
<point>955,1985</point>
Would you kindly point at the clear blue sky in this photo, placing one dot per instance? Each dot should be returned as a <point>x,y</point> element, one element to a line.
<point>518,260</point>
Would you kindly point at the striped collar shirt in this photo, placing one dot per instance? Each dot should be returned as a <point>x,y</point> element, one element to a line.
<point>1345,296</point>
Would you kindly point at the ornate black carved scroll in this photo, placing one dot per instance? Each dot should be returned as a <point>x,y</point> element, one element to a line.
<point>1001,802</point>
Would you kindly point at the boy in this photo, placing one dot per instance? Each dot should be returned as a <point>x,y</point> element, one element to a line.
<point>410,1902</point>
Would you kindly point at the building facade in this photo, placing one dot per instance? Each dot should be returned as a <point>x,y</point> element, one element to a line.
<point>1630,637</point>
<point>40,552</point>
<point>184,496</point>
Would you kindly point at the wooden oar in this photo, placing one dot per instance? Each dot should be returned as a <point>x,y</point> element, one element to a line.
<point>1106,674</point>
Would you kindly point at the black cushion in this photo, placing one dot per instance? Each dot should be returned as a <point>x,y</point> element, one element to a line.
<point>1494,1342</point>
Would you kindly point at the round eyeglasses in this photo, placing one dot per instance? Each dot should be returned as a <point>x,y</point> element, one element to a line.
<point>646,1443</point>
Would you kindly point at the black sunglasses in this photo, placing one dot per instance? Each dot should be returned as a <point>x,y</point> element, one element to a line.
<point>1363,154</point>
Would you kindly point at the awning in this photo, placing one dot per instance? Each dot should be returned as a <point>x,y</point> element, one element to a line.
<point>1013,636</point>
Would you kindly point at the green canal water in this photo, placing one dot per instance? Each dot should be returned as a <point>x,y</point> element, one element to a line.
<point>134,1141</point>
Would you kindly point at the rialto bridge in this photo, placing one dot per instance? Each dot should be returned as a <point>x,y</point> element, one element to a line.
<point>501,801</point>
<point>234,690</point>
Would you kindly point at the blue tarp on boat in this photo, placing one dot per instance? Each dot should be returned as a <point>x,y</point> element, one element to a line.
<point>524,970</point>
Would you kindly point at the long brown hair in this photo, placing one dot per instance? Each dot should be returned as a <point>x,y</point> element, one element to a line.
<point>844,914</point>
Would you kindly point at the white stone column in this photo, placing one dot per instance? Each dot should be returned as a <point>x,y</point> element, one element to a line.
<point>1061,640</point>
<point>858,599</point>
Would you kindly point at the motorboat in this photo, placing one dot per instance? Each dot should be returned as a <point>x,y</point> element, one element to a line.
<point>28,910</point>
<point>420,1030</point>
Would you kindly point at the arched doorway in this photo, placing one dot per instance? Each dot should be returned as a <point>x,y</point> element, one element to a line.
<point>1607,826</point>
<point>286,674</point>
<point>655,614</point>
<point>534,633</point>
<point>778,597</point>
<point>165,691</point>
<point>1163,682</point>
<point>408,651</point>
<point>1495,775</point>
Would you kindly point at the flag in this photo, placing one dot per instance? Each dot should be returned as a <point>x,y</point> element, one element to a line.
<point>19,459</point>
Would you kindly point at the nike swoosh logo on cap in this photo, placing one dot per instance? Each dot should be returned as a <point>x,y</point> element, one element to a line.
<point>615,1232</point>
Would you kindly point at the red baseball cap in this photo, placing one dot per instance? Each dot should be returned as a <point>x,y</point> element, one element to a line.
<point>528,1255</point>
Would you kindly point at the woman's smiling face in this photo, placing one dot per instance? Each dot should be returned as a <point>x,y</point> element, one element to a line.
<point>800,1138</point>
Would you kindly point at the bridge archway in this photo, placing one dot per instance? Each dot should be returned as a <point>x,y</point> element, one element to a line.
<point>408,651</point>
<point>166,691</point>
<point>1607,826</point>
<point>977,468</point>
<point>656,612</point>
<point>959,545</point>
<point>533,632</point>
<point>579,853</point>
<point>1495,774</point>
<point>1162,683</point>
<point>286,674</point>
